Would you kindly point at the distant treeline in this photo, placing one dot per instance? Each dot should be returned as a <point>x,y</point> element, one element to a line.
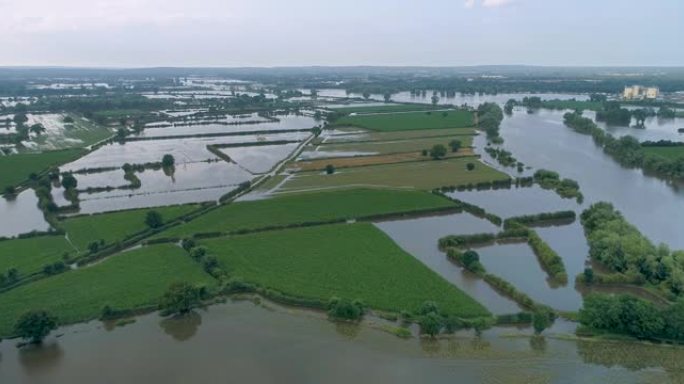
<point>626,150</point>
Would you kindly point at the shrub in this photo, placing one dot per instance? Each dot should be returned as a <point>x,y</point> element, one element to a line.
<point>180,298</point>
<point>344,309</point>
<point>35,325</point>
<point>329,169</point>
<point>154,219</point>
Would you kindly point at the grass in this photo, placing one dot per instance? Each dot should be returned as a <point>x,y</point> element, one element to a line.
<point>30,255</point>
<point>425,175</point>
<point>386,108</point>
<point>410,120</point>
<point>401,135</point>
<point>573,104</point>
<point>358,161</point>
<point>17,168</point>
<point>87,131</point>
<point>128,280</point>
<point>308,207</point>
<point>670,153</point>
<point>354,261</point>
<point>396,146</point>
<point>111,227</point>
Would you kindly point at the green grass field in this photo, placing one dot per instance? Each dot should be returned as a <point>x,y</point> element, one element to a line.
<point>425,175</point>
<point>386,108</point>
<point>572,104</point>
<point>17,168</point>
<point>671,153</point>
<point>115,226</point>
<point>30,255</point>
<point>127,280</point>
<point>307,207</point>
<point>401,135</point>
<point>410,120</point>
<point>354,261</point>
<point>408,145</point>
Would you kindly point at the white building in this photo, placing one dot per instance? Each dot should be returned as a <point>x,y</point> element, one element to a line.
<point>637,92</point>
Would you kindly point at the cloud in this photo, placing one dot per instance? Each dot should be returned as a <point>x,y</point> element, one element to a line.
<point>487,3</point>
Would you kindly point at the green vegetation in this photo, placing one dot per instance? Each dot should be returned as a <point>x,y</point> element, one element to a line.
<point>550,261</point>
<point>624,314</point>
<point>628,151</point>
<point>541,219</point>
<point>18,168</point>
<point>489,117</point>
<point>35,325</point>
<point>180,298</point>
<point>116,226</point>
<point>361,109</point>
<point>369,136</point>
<point>565,188</point>
<point>672,153</point>
<point>316,207</point>
<point>385,147</point>
<point>32,254</point>
<point>619,246</point>
<point>410,120</point>
<point>348,260</point>
<point>130,280</point>
<point>419,175</point>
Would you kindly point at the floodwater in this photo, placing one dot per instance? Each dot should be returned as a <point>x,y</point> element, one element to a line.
<point>541,140</point>
<point>259,159</point>
<point>419,238</point>
<point>186,150</point>
<point>654,128</point>
<point>290,122</point>
<point>21,215</point>
<point>242,342</point>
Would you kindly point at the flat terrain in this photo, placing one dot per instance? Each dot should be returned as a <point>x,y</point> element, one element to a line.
<point>425,175</point>
<point>358,161</point>
<point>306,208</point>
<point>386,108</point>
<point>395,146</point>
<point>111,227</point>
<point>410,120</point>
<point>30,255</point>
<point>128,280</point>
<point>398,135</point>
<point>671,153</point>
<point>354,261</point>
<point>17,168</point>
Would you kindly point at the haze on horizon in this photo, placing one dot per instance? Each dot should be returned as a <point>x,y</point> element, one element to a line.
<point>138,33</point>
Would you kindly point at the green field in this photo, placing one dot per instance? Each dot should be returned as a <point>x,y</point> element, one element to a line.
<point>354,261</point>
<point>111,227</point>
<point>17,168</point>
<point>410,120</point>
<point>30,255</point>
<point>408,145</point>
<point>386,108</point>
<point>128,280</point>
<point>417,175</point>
<point>308,207</point>
<point>671,153</point>
<point>400,135</point>
<point>572,104</point>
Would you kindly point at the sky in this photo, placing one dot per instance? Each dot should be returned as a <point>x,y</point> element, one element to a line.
<point>266,33</point>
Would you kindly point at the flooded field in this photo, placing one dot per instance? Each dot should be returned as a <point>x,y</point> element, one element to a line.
<point>654,128</point>
<point>24,213</point>
<point>252,344</point>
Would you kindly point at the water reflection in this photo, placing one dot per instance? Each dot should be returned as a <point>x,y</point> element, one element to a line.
<point>182,327</point>
<point>26,217</point>
<point>347,329</point>
<point>40,359</point>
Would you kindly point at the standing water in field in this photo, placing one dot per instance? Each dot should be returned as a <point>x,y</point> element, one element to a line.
<point>20,214</point>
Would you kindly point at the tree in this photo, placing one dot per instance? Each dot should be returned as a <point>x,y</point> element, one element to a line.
<point>438,151</point>
<point>470,166</point>
<point>180,298</point>
<point>37,129</point>
<point>154,219</point>
<point>20,119</point>
<point>10,190</point>
<point>329,169</point>
<point>430,324</point>
<point>435,99</point>
<point>168,161</point>
<point>455,145</point>
<point>69,181</point>
<point>68,119</point>
<point>588,275</point>
<point>387,96</point>
<point>366,95</point>
<point>344,309</point>
<point>35,325</point>
<point>541,319</point>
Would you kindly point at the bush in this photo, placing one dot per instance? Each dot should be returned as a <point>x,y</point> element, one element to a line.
<point>438,152</point>
<point>180,298</point>
<point>343,309</point>
<point>168,161</point>
<point>329,169</point>
<point>35,325</point>
<point>470,166</point>
<point>154,219</point>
